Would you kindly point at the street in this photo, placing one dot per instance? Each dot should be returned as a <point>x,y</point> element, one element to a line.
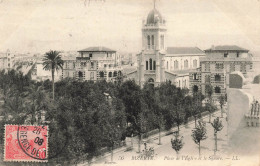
<point>190,152</point>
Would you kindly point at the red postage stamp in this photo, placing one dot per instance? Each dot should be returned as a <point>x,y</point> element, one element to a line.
<point>26,143</point>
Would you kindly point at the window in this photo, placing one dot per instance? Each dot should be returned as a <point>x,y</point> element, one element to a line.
<point>146,65</point>
<point>207,79</point>
<point>148,41</point>
<point>237,54</point>
<point>232,67</point>
<point>115,74</point>
<point>219,66</point>
<point>152,40</point>
<point>195,63</point>
<point>176,65</point>
<point>101,74</point>
<point>90,55</point>
<point>80,74</point>
<point>154,65</point>
<point>105,65</point>
<point>162,41</point>
<point>207,67</point>
<point>92,76</point>
<point>195,76</point>
<point>110,74</point>
<point>119,73</point>
<point>217,77</point>
<point>225,55</point>
<point>185,64</point>
<point>195,88</point>
<point>151,64</point>
<point>217,90</point>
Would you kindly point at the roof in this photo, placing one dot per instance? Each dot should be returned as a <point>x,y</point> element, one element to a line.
<point>226,48</point>
<point>97,49</point>
<point>154,16</point>
<point>185,51</point>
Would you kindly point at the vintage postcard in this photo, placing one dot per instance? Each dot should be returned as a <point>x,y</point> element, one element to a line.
<point>130,82</point>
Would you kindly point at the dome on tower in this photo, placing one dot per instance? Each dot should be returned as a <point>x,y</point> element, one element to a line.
<point>154,17</point>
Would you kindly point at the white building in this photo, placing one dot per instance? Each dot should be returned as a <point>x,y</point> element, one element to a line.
<point>157,62</point>
<point>93,63</point>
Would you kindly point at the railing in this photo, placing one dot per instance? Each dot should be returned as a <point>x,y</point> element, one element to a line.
<point>82,58</point>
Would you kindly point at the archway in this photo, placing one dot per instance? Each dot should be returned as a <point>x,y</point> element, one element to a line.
<point>195,88</point>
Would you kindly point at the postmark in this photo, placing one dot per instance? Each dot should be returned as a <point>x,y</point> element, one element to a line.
<point>26,143</point>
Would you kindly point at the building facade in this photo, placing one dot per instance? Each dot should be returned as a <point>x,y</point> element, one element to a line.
<point>220,61</point>
<point>158,63</point>
<point>93,63</point>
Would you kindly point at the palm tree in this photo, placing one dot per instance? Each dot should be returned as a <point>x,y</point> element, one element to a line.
<point>52,61</point>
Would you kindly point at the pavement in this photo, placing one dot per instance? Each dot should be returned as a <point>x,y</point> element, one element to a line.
<point>165,154</point>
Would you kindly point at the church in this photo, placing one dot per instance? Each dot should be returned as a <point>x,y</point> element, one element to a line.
<point>158,63</point>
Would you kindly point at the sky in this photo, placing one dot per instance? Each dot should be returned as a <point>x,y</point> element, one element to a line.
<point>71,25</point>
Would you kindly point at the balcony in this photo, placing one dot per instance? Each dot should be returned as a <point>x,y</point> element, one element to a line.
<point>82,58</point>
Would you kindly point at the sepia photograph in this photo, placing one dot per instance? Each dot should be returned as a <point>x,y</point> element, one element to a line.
<point>129,82</point>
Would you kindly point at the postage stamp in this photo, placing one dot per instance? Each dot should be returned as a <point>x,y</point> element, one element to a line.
<point>26,143</point>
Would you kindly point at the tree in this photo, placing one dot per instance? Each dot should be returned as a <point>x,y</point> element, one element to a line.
<point>221,103</point>
<point>218,126</point>
<point>155,111</point>
<point>135,108</point>
<point>52,61</point>
<point>209,92</point>
<point>177,143</point>
<point>210,108</point>
<point>199,134</point>
<point>178,116</point>
<point>196,106</point>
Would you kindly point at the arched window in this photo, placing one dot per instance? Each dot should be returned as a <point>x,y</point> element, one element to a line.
<point>176,65</point>
<point>195,63</point>
<point>151,81</point>
<point>162,42</point>
<point>186,64</point>
<point>148,41</point>
<point>80,74</point>
<point>110,74</point>
<point>207,79</point>
<point>151,64</point>
<point>195,88</point>
<point>217,90</point>
<point>154,65</point>
<point>115,73</point>
<point>217,77</point>
<point>152,40</point>
<point>92,76</point>
<point>101,74</point>
<point>146,65</point>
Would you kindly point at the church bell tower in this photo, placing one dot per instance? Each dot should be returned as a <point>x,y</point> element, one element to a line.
<point>151,60</point>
